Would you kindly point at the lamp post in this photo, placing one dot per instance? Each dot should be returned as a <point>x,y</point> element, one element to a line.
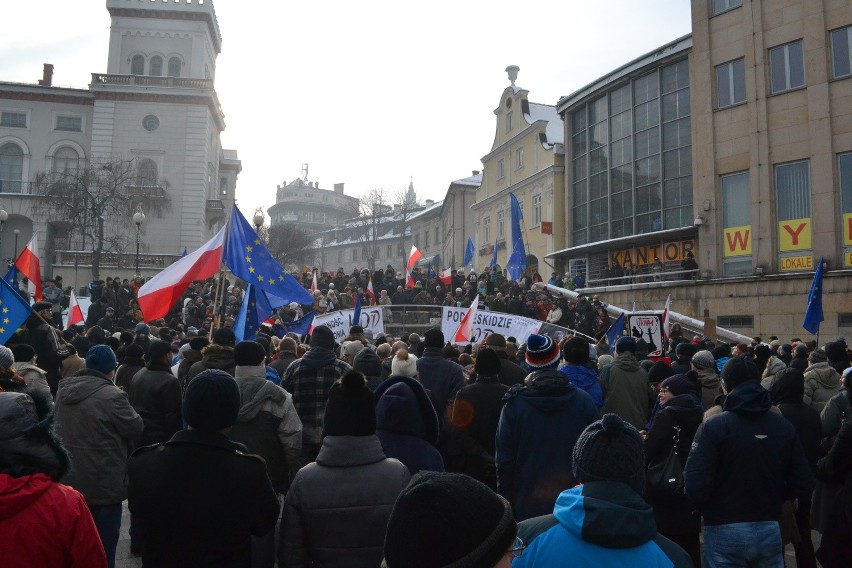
<point>258,219</point>
<point>138,218</point>
<point>15,252</point>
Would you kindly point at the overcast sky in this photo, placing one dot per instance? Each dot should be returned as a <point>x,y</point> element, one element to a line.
<point>371,97</point>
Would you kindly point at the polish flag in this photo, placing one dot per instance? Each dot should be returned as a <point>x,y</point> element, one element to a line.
<point>370,292</point>
<point>75,314</point>
<point>413,257</point>
<point>465,331</point>
<point>666,322</point>
<point>28,264</point>
<point>160,293</point>
<point>446,276</point>
<point>314,283</point>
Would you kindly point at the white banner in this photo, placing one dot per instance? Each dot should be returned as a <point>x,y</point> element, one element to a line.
<point>341,321</point>
<point>648,326</point>
<point>486,323</point>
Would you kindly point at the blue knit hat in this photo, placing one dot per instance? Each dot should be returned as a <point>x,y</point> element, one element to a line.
<point>101,358</point>
<point>542,353</point>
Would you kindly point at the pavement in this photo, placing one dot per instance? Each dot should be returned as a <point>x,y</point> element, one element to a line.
<point>123,558</point>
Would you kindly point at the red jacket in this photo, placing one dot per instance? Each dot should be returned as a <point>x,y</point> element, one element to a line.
<point>46,524</point>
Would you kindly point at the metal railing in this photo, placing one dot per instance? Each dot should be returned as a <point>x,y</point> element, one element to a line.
<point>644,277</point>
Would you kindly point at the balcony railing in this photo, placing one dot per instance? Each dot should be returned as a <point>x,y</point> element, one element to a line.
<point>151,81</point>
<point>215,205</point>
<point>16,186</point>
<point>83,259</point>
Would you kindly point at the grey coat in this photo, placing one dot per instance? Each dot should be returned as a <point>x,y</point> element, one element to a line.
<point>821,383</point>
<point>338,507</point>
<point>97,425</point>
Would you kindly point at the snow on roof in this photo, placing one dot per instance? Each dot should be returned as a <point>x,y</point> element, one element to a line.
<point>475,181</point>
<point>555,128</point>
<point>436,205</point>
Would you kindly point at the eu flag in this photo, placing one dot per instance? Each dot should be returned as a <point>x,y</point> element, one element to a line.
<point>517,263</point>
<point>249,260</point>
<point>356,315</point>
<point>813,315</point>
<point>13,311</point>
<point>254,311</point>
<point>468,252</point>
<point>11,277</point>
<point>300,326</point>
<point>615,331</point>
<point>493,256</point>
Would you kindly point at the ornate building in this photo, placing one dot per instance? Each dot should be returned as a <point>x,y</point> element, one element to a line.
<point>312,209</point>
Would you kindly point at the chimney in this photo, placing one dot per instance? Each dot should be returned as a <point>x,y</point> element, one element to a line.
<point>475,172</point>
<point>396,208</point>
<point>338,188</point>
<point>47,75</point>
<point>430,202</point>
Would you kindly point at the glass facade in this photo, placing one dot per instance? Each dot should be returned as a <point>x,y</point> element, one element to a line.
<point>631,155</point>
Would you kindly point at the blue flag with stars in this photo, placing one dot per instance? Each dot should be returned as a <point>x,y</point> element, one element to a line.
<point>248,258</point>
<point>493,256</point>
<point>300,326</point>
<point>615,331</point>
<point>814,315</point>
<point>13,311</point>
<point>468,252</point>
<point>11,277</point>
<point>254,311</point>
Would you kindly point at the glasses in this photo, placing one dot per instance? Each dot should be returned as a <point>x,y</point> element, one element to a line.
<point>517,547</point>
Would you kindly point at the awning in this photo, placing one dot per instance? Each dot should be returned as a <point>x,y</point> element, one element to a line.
<point>622,242</point>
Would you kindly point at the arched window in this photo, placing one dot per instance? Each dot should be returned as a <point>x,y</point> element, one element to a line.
<point>11,168</point>
<point>156,66</point>
<point>174,67</point>
<point>137,65</point>
<point>65,161</point>
<point>147,174</point>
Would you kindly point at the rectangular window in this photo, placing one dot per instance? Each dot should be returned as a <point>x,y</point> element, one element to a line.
<point>793,190</point>
<point>844,166</point>
<point>735,321</point>
<point>390,251</point>
<point>340,257</point>
<point>426,239</point>
<point>720,6</point>
<point>787,67</point>
<point>736,215</point>
<point>13,119</point>
<point>509,121</point>
<point>519,158</point>
<point>730,83</point>
<point>69,123</point>
<point>844,320</point>
<point>486,229</point>
<point>536,213</point>
<point>841,52</point>
<point>500,225</point>
<point>437,234</point>
<point>501,170</point>
<point>354,255</point>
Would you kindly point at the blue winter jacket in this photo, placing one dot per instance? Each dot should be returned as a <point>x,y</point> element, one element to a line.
<point>440,376</point>
<point>601,524</point>
<point>586,379</point>
<point>538,428</point>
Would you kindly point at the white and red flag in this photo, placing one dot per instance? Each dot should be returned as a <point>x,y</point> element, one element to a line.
<point>28,264</point>
<point>314,283</point>
<point>446,276</point>
<point>75,314</point>
<point>666,322</point>
<point>370,292</point>
<point>413,257</point>
<point>464,333</point>
<point>161,292</point>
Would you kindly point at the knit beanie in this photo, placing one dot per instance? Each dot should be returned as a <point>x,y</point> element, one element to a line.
<point>721,351</point>
<point>433,338</point>
<point>610,450</point>
<point>212,401</point>
<point>23,352</point>
<point>404,363</point>
<point>448,519</point>
<point>817,356</point>
<point>576,351</point>
<point>836,351</point>
<point>142,328</point>
<point>7,358</point>
<point>681,384</point>
<point>350,410</point>
<point>322,337</point>
<point>157,350</point>
<point>625,344</point>
<point>737,371</point>
<point>541,353</point>
<point>703,360</point>
<point>249,354</point>
<point>199,343</point>
<point>101,358</point>
<point>659,372</point>
<point>487,363</point>
<point>368,362</point>
<point>225,337</point>
<point>686,350</point>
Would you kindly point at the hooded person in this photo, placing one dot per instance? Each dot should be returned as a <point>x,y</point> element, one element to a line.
<point>217,355</point>
<point>309,379</point>
<point>134,360</point>
<point>286,354</point>
<point>407,425</point>
<point>625,385</point>
<point>539,424</point>
<point>821,380</point>
<point>190,357</point>
<point>787,392</point>
<point>337,508</point>
<point>474,417</point>
<point>367,362</point>
<point>838,356</point>
<point>774,367</point>
<point>156,395</point>
<point>449,519</point>
<point>683,357</point>
<point>578,369</point>
<point>26,367</point>
<point>704,365</point>
<point>604,521</point>
<point>42,522</point>
<point>187,519</point>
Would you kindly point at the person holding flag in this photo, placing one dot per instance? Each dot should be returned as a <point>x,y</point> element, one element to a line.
<point>413,257</point>
<point>38,333</point>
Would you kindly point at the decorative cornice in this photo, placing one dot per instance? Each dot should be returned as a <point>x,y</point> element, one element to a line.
<point>48,97</point>
<point>173,15</point>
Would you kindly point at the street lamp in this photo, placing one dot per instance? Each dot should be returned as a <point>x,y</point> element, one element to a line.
<point>138,218</point>
<point>258,219</point>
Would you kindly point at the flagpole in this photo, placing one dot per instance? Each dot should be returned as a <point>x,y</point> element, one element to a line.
<point>217,304</point>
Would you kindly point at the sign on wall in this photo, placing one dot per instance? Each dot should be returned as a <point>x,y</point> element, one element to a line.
<point>649,328</point>
<point>847,229</point>
<point>737,241</point>
<point>794,235</point>
<point>645,255</point>
<point>797,262</point>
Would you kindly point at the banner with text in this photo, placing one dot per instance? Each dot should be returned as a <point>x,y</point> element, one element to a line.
<point>648,326</point>
<point>487,323</point>
<point>341,321</point>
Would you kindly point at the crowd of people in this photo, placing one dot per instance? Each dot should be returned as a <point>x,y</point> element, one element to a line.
<point>413,451</point>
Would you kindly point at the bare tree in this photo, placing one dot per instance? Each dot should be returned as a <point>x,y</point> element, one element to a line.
<point>372,223</point>
<point>97,199</point>
<point>290,245</point>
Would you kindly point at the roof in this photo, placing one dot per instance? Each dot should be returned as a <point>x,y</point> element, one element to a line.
<point>474,181</point>
<point>555,129</point>
<point>433,207</point>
